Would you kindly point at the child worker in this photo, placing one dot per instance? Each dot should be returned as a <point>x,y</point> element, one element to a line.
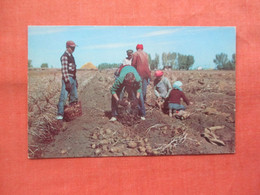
<point>175,98</point>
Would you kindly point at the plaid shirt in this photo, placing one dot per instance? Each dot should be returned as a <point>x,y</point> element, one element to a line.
<point>65,67</point>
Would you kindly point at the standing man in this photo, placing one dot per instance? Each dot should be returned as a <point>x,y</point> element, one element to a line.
<point>69,81</point>
<point>126,62</point>
<point>140,62</point>
<point>128,59</point>
<point>130,79</point>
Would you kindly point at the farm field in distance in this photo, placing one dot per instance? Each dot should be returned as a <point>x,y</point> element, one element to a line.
<point>92,135</point>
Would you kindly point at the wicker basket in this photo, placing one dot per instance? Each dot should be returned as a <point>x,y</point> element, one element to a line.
<point>72,111</point>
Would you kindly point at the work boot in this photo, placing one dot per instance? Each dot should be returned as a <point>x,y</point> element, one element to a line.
<point>59,117</point>
<point>113,119</point>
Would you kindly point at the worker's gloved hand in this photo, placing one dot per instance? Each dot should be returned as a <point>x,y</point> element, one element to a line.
<point>135,103</point>
<point>122,103</point>
<point>159,99</point>
<point>68,86</point>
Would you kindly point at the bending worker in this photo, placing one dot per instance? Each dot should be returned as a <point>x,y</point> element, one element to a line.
<point>130,79</point>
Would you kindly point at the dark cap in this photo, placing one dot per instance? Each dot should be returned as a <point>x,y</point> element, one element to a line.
<point>129,51</point>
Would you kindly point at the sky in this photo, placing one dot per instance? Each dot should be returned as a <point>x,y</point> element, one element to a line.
<point>108,44</point>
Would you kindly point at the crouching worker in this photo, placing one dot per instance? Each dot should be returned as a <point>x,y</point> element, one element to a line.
<point>175,98</point>
<point>69,81</point>
<point>130,79</point>
<point>162,89</point>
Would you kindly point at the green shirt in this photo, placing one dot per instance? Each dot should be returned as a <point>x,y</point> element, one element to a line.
<point>119,81</point>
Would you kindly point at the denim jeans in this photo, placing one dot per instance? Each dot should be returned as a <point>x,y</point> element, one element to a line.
<point>173,106</point>
<point>114,106</point>
<point>73,97</point>
<point>145,83</point>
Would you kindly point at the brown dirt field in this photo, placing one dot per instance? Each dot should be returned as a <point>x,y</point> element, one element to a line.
<point>92,135</point>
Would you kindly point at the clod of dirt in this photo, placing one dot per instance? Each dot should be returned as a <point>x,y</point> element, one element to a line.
<point>164,132</point>
<point>132,144</point>
<point>141,143</point>
<point>201,81</point>
<point>94,136</point>
<point>155,152</point>
<point>63,151</point>
<point>101,79</point>
<point>98,151</point>
<point>230,119</point>
<point>104,147</point>
<point>125,153</point>
<point>108,131</point>
<point>210,111</point>
<point>114,149</point>
<point>93,146</point>
<point>141,149</point>
<point>149,150</point>
<point>103,142</point>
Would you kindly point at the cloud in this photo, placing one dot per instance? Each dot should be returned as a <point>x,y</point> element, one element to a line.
<point>160,32</point>
<point>42,30</point>
<point>109,46</point>
<point>201,29</point>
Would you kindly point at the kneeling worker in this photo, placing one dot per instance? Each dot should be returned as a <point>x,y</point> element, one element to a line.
<point>130,79</point>
<point>162,88</point>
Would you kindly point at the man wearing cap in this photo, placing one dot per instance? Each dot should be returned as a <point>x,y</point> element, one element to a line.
<point>128,78</point>
<point>162,85</point>
<point>128,59</point>
<point>162,88</point>
<point>69,81</point>
<point>140,62</point>
<point>126,62</point>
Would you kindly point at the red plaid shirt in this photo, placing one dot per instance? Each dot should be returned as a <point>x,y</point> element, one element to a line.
<point>65,67</point>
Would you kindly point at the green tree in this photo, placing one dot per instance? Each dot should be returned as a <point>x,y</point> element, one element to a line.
<point>169,59</point>
<point>154,63</point>
<point>233,61</point>
<point>221,61</point>
<point>44,65</point>
<point>185,61</point>
<point>30,63</point>
<point>164,59</point>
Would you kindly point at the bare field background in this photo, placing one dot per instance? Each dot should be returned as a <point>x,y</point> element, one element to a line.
<point>213,94</point>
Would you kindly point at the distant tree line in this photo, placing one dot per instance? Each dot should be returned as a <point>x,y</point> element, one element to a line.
<point>177,61</point>
<point>223,63</point>
<point>30,64</point>
<point>44,65</point>
<point>107,65</point>
<point>172,60</point>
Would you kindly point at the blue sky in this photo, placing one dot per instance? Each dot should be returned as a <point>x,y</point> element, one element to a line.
<point>108,44</point>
